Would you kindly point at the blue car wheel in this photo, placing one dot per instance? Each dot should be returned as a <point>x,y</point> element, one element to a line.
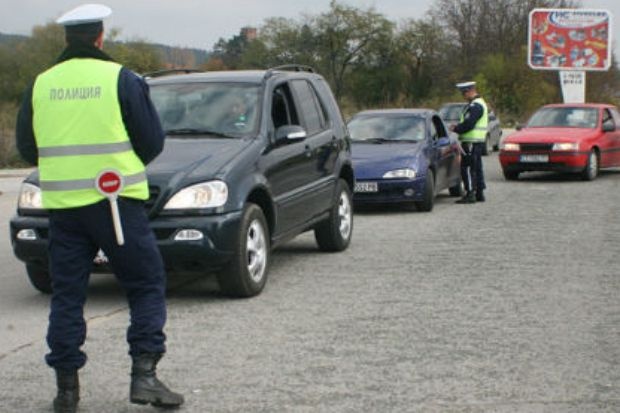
<point>426,205</point>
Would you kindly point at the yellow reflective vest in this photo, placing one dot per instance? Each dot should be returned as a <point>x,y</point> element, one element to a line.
<point>79,131</point>
<point>479,132</point>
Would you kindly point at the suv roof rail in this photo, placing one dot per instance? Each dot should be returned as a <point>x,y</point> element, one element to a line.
<point>290,67</point>
<point>165,72</point>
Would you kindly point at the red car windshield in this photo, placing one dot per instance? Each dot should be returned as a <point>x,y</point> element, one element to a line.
<point>564,117</point>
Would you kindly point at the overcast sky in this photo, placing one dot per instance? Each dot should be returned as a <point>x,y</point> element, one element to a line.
<point>200,23</point>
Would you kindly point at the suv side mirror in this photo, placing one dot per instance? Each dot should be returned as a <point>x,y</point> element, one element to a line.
<point>519,126</point>
<point>290,133</point>
<point>609,127</point>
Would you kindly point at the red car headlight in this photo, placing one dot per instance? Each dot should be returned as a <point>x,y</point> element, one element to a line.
<point>565,146</point>
<point>508,146</point>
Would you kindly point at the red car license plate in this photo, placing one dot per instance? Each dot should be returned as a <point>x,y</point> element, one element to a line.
<point>534,158</point>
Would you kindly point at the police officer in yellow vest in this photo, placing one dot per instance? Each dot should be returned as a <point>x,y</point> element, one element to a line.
<point>472,130</point>
<point>84,115</point>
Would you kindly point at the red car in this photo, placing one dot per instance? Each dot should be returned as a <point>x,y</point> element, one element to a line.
<point>575,138</point>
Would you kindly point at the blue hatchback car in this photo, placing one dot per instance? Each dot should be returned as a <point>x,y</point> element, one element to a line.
<point>403,156</point>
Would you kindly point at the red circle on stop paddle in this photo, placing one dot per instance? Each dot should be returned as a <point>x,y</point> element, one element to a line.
<point>109,182</point>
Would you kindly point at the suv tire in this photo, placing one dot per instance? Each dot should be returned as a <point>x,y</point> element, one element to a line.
<point>39,278</point>
<point>246,273</point>
<point>334,234</point>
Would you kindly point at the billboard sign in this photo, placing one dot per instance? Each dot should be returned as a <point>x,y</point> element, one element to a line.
<point>569,39</point>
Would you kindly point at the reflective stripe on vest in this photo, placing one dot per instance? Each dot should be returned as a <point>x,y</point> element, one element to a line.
<point>86,183</point>
<point>97,149</point>
<point>479,132</point>
<point>79,132</point>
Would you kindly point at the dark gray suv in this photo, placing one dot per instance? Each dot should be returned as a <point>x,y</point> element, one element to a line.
<point>252,159</point>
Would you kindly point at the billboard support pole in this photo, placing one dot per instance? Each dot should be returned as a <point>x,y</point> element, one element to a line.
<point>573,84</point>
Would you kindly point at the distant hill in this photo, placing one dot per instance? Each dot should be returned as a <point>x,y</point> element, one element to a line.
<point>11,38</point>
<point>171,56</point>
<point>181,56</point>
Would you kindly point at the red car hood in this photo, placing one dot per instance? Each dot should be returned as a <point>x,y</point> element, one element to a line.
<point>532,135</point>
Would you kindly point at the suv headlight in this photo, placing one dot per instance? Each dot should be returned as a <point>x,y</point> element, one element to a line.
<point>400,173</point>
<point>29,197</point>
<point>210,194</point>
<point>565,146</point>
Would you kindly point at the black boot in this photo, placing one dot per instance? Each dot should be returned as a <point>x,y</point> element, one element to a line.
<point>469,198</point>
<point>146,388</point>
<point>68,395</point>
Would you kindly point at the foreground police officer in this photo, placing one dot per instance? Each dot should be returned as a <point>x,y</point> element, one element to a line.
<point>84,115</point>
<point>472,130</point>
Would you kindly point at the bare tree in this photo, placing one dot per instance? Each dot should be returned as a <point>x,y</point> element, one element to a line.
<point>344,33</point>
<point>480,27</point>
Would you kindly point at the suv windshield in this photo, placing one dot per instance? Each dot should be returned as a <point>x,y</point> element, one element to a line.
<point>566,117</point>
<point>387,128</point>
<point>207,108</point>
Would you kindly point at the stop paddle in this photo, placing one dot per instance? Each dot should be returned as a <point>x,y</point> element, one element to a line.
<point>109,183</point>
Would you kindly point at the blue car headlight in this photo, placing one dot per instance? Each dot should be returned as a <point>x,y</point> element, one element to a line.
<point>405,173</point>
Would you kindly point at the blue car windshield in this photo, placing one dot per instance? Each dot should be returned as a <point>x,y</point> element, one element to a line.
<point>564,117</point>
<point>405,128</point>
<point>210,109</point>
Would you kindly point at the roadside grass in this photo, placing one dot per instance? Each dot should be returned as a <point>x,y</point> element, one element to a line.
<point>9,158</point>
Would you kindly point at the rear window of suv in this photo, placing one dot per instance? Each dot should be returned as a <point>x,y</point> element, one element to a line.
<point>216,108</point>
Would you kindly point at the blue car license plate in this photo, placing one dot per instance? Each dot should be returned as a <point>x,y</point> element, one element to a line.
<point>366,187</point>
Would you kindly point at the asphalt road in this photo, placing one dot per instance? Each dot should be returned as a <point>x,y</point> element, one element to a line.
<point>508,306</point>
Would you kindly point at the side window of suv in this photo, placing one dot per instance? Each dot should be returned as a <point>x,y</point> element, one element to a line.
<point>283,110</point>
<point>312,112</point>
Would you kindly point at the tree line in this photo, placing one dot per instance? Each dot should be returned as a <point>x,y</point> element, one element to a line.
<point>369,60</point>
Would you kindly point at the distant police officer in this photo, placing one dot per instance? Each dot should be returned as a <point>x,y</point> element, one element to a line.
<point>472,130</point>
<point>85,115</point>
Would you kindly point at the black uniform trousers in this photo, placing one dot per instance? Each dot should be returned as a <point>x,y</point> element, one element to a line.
<point>75,237</point>
<point>471,167</point>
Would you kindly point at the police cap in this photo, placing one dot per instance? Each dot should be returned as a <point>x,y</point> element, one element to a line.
<point>84,14</point>
<point>465,86</point>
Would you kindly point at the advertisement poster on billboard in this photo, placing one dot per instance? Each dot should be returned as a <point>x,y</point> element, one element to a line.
<point>569,39</point>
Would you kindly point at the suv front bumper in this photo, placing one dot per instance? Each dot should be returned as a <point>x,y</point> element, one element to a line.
<point>219,240</point>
